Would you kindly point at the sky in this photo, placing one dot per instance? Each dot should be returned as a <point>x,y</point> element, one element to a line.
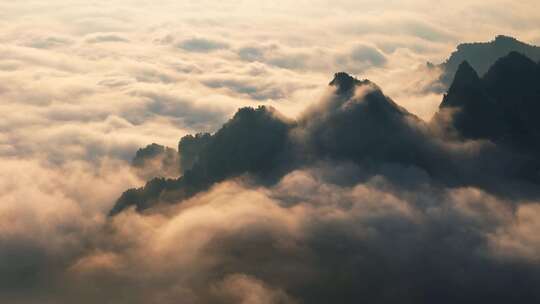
<point>84,84</point>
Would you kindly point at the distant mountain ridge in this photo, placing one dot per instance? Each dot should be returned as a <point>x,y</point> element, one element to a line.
<point>482,55</point>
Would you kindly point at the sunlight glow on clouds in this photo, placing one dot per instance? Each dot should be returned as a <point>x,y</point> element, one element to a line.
<point>84,84</point>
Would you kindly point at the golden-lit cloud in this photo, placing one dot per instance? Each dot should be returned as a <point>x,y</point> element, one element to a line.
<point>84,84</point>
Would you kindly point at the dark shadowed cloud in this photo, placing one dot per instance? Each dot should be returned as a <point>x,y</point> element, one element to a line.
<point>201,45</point>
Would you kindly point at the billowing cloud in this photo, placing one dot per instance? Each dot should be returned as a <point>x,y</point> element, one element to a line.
<point>304,239</point>
<point>84,85</point>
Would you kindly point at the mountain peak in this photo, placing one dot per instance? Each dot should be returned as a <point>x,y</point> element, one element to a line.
<point>465,74</point>
<point>345,82</point>
<point>465,88</point>
<point>515,59</point>
<point>513,77</point>
<point>504,38</point>
<point>511,68</point>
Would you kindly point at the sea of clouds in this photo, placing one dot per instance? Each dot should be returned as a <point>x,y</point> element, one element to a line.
<point>84,84</point>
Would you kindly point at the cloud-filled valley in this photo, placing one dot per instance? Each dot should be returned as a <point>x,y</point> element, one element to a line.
<point>290,183</point>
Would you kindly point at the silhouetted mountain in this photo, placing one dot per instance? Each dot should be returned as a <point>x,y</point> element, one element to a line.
<point>503,106</point>
<point>359,122</point>
<point>466,81</point>
<point>356,123</point>
<point>476,117</point>
<point>250,142</point>
<point>345,82</point>
<point>482,55</point>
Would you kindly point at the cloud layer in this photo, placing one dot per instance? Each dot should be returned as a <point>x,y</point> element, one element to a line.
<point>84,85</point>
